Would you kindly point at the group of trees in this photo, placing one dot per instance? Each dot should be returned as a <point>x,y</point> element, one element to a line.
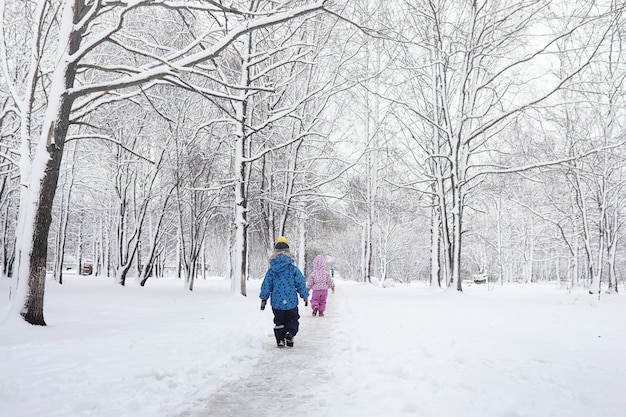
<point>506,119</point>
<point>406,140</point>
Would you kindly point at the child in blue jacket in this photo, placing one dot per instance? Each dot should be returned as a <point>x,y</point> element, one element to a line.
<point>283,282</point>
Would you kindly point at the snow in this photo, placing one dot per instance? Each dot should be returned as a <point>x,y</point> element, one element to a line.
<point>516,351</point>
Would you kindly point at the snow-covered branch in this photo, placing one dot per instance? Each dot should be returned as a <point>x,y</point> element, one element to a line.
<point>151,71</point>
<point>109,139</point>
<point>511,170</point>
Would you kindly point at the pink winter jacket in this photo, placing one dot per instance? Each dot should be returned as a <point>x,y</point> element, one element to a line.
<point>320,278</point>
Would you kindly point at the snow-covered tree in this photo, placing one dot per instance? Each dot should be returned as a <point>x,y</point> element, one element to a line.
<point>70,63</point>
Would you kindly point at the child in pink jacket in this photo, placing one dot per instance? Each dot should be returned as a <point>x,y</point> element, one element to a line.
<point>319,281</point>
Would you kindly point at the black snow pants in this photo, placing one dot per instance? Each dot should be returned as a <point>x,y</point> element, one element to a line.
<point>285,321</point>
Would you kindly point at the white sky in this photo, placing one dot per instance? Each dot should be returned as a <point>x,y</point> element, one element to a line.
<point>160,351</point>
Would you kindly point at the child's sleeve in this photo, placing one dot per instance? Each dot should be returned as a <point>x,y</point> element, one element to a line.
<point>266,287</point>
<point>301,285</point>
<point>329,281</point>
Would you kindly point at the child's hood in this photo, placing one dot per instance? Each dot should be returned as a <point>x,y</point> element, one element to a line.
<point>280,263</point>
<point>319,263</point>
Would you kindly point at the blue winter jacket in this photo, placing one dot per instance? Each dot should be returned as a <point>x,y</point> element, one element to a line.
<point>283,282</point>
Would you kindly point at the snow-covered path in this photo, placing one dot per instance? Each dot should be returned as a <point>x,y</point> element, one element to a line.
<point>284,378</point>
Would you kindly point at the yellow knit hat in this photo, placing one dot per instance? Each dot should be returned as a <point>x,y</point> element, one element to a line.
<point>281,243</point>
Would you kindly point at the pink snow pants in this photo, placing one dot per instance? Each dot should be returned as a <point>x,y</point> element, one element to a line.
<point>318,300</point>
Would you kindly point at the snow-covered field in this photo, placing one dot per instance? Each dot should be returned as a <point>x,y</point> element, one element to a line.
<point>160,351</point>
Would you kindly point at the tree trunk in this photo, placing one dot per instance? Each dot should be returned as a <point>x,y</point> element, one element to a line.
<point>435,246</point>
<point>239,272</point>
<point>63,220</point>
<point>302,240</point>
<point>148,268</point>
<point>36,215</point>
<point>37,218</point>
<point>240,255</point>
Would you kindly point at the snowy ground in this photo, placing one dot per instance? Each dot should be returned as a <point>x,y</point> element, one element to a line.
<point>159,351</point>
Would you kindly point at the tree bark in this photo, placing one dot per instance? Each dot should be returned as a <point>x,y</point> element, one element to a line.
<point>37,217</point>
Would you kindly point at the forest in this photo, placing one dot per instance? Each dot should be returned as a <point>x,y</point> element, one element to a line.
<point>442,141</point>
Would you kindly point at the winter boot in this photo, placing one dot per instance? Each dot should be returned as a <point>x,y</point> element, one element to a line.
<point>289,339</point>
<point>280,343</point>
